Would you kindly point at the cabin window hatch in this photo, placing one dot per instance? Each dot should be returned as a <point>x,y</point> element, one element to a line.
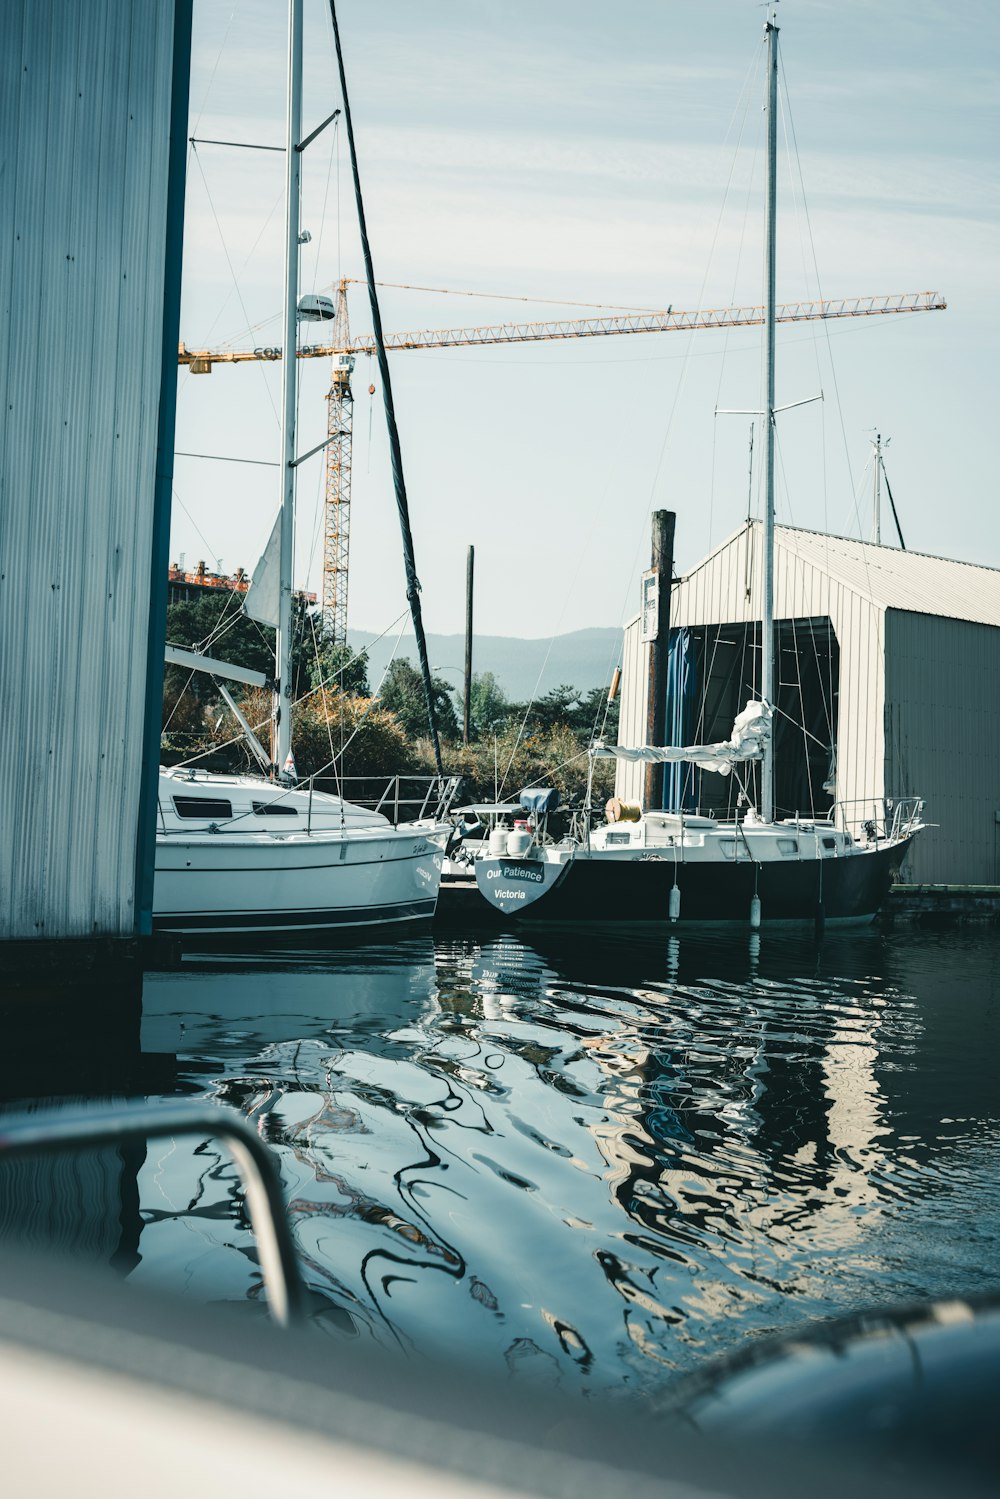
<point>203,808</point>
<point>273,809</point>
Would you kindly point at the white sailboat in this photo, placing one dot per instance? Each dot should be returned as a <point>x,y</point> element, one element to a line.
<point>242,854</point>
<point>671,865</point>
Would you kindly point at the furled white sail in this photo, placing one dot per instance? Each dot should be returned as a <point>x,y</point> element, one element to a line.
<point>261,599</point>
<point>751,730</point>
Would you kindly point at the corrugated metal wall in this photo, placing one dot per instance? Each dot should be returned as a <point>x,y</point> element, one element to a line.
<point>942,719</point>
<point>84,125</point>
<point>726,589</point>
<point>629,779</point>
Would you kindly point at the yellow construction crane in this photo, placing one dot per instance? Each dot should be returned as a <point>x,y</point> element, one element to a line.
<point>344,349</point>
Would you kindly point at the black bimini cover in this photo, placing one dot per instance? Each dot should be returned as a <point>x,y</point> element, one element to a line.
<point>539,799</point>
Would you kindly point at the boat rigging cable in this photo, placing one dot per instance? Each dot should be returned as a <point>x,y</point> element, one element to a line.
<point>791,145</point>
<point>892,502</point>
<point>798,184</point>
<point>330,764</point>
<point>744,99</point>
<point>215,748</point>
<point>399,484</point>
<point>229,262</point>
<point>798,179</point>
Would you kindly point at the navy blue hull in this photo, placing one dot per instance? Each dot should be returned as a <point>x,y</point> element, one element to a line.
<point>850,888</point>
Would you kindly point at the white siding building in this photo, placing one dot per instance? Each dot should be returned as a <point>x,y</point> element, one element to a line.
<point>895,658</point>
<point>93,116</point>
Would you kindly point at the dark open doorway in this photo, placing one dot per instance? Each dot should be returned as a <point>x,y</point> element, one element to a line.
<point>719,666</point>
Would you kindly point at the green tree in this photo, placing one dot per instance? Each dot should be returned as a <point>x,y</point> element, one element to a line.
<point>594,717</point>
<point>358,733</point>
<point>340,668</point>
<point>216,626</point>
<point>544,743</point>
<point>583,712</point>
<point>403,694</point>
<point>556,757</point>
<point>557,706</point>
<point>489,709</point>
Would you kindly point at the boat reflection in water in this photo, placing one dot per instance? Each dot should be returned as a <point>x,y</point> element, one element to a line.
<point>594,1161</point>
<point>241,1002</point>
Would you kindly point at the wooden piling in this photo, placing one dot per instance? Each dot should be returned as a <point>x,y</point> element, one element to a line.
<point>661,569</point>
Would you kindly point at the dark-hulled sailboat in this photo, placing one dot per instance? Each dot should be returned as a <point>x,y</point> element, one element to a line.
<point>669,866</point>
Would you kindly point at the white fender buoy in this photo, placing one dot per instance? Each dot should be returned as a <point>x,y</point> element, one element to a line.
<point>675,902</point>
<point>755,914</point>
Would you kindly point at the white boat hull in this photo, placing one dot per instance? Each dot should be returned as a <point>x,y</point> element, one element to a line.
<point>236,855</point>
<point>211,885</point>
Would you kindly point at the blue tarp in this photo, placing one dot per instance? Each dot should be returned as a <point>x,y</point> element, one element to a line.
<point>539,799</point>
<point>680,782</point>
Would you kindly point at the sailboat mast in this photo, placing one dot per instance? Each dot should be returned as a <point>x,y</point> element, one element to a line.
<point>767,690</point>
<point>398,482</point>
<point>282,703</point>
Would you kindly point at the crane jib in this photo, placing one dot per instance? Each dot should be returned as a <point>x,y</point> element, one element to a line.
<point>670,321</point>
<point>340,399</point>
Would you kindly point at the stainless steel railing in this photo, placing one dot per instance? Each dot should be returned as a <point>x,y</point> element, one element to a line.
<point>400,798</point>
<point>879,819</point>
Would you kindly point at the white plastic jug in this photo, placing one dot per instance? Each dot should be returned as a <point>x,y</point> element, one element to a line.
<point>519,841</point>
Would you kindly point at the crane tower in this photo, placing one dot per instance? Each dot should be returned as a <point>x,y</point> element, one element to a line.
<point>337,508</point>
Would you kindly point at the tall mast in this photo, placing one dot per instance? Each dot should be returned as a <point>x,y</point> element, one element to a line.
<point>877,497</point>
<point>398,482</point>
<point>767,613</point>
<point>282,704</point>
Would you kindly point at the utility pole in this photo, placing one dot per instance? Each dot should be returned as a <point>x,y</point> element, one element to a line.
<point>466,716</point>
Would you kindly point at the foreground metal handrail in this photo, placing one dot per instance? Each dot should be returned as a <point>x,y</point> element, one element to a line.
<point>55,1129</point>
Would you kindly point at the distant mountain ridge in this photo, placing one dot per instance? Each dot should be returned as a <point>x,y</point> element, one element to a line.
<point>523,668</point>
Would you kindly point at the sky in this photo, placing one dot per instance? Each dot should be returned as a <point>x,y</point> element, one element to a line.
<point>608,155</point>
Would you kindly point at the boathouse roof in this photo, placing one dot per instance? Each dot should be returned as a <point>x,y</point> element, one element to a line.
<point>886,577</point>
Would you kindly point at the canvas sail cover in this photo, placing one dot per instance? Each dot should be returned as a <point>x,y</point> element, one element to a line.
<point>751,731</point>
<point>261,599</point>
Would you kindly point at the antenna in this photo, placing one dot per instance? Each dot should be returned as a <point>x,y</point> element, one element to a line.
<point>880,477</point>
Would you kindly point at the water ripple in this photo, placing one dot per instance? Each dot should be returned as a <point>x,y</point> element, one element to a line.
<point>591,1160</point>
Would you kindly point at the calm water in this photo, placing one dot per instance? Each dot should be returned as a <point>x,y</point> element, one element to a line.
<point>590,1160</point>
